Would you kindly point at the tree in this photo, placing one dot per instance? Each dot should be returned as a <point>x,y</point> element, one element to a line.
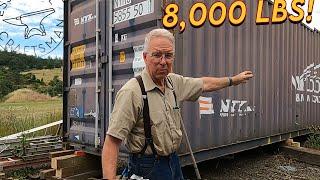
<point>55,87</point>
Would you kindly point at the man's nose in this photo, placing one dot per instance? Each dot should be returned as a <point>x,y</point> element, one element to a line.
<point>163,60</point>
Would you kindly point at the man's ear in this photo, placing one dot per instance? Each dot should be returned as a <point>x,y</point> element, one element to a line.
<point>144,57</point>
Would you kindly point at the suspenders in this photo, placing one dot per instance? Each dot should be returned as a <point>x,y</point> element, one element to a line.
<point>146,116</point>
<point>146,120</point>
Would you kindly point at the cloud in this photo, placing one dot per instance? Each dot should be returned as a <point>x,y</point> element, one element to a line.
<point>39,20</point>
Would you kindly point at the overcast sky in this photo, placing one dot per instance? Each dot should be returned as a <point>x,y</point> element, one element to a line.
<point>29,24</point>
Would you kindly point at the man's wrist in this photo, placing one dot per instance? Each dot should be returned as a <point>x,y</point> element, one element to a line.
<point>230,81</point>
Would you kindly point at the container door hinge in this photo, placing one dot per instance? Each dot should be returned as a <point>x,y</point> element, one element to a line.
<point>111,90</point>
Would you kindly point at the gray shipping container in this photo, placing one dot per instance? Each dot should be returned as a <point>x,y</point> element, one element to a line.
<point>282,100</point>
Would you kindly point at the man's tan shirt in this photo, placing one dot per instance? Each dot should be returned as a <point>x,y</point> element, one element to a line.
<point>126,121</point>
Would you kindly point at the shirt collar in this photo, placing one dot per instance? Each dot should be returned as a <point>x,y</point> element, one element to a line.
<point>148,82</point>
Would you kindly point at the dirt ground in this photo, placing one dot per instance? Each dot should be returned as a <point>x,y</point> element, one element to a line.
<point>259,164</point>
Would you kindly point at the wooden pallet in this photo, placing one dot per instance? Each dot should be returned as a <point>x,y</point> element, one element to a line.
<point>69,164</point>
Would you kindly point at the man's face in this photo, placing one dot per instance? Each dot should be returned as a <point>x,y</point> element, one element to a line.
<point>159,58</point>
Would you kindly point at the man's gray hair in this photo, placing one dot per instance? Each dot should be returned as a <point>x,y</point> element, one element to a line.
<point>158,33</point>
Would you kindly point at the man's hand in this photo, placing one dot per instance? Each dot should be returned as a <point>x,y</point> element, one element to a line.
<point>109,157</point>
<point>241,78</point>
<point>213,84</point>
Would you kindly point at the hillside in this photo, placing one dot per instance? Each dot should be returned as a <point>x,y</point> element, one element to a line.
<point>45,81</point>
<point>46,74</point>
<point>21,62</point>
<point>25,95</point>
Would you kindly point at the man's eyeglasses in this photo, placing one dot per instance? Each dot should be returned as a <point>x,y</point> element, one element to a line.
<point>158,55</point>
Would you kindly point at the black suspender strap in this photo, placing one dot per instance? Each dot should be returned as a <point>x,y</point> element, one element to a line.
<point>146,119</point>
<point>174,93</point>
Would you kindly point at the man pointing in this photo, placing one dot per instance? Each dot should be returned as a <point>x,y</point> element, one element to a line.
<point>146,113</point>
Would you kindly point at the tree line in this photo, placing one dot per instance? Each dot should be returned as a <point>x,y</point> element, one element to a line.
<point>11,79</point>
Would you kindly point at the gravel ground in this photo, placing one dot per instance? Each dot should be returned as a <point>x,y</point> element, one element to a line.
<point>262,163</point>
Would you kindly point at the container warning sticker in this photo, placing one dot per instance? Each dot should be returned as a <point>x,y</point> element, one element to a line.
<point>122,57</point>
<point>77,81</point>
<point>205,105</point>
<point>138,62</point>
<point>77,57</point>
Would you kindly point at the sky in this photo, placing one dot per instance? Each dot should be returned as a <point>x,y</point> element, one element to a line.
<point>34,27</point>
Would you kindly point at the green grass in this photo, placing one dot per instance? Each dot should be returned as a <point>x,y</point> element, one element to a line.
<point>313,141</point>
<point>46,74</point>
<point>22,173</point>
<point>21,116</point>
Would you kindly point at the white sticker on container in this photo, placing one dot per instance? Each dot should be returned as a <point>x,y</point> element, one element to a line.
<point>138,62</point>
<point>205,105</point>
<point>77,81</point>
<point>77,137</point>
<point>137,10</point>
<point>120,3</point>
<point>124,37</point>
<point>116,38</point>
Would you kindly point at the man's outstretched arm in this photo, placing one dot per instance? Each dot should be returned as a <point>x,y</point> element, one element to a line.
<point>109,157</point>
<point>214,84</point>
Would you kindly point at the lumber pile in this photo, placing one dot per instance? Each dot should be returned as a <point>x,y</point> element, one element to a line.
<point>32,146</point>
<point>34,152</point>
<point>2,176</point>
<point>72,165</point>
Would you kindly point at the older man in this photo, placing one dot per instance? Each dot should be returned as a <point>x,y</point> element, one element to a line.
<point>146,113</point>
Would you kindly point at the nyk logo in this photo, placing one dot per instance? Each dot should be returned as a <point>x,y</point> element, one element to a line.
<point>228,107</point>
<point>308,84</point>
<point>308,80</point>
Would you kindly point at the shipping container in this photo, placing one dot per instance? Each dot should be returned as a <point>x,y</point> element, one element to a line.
<point>282,101</point>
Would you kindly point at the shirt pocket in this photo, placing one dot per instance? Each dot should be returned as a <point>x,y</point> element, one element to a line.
<point>160,133</point>
<point>158,124</point>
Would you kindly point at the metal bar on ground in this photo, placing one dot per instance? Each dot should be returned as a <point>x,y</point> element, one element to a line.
<point>190,149</point>
<point>13,136</point>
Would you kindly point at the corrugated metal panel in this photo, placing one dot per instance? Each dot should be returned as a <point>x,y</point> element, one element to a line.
<point>270,51</point>
<point>79,51</point>
<point>263,111</point>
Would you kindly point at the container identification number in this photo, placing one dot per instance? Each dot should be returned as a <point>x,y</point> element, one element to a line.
<point>133,11</point>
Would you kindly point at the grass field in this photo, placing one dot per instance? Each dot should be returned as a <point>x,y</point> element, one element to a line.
<point>26,95</point>
<point>20,116</point>
<point>46,74</point>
